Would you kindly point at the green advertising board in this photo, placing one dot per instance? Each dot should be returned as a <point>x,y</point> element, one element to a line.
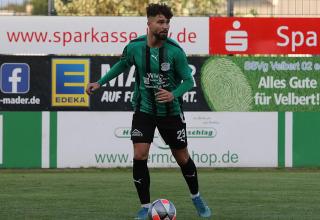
<point>21,140</point>
<point>262,83</point>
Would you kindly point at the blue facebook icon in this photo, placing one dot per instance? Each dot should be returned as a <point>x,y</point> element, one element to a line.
<point>15,78</point>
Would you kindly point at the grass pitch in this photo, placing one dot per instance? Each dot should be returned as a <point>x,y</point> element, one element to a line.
<point>109,194</point>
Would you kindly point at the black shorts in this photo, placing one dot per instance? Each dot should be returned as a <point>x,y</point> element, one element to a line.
<point>171,128</point>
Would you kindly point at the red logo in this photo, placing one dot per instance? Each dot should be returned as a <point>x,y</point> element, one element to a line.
<point>264,35</point>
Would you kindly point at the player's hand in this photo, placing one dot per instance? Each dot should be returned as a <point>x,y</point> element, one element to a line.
<point>164,96</point>
<point>91,87</point>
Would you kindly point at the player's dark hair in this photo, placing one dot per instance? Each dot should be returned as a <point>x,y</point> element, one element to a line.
<point>159,9</point>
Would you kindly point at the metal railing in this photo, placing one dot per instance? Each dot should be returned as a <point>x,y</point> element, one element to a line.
<point>243,8</point>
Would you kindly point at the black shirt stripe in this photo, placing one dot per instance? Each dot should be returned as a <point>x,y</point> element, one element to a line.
<point>161,72</point>
<point>148,70</point>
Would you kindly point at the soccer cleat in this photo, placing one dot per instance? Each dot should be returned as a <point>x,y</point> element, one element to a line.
<point>202,208</point>
<point>142,214</point>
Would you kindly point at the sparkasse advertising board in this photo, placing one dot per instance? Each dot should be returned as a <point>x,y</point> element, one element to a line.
<point>264,35</point>
<point>92,35</point>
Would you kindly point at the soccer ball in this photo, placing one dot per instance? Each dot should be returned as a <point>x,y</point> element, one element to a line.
<point>162,209</point>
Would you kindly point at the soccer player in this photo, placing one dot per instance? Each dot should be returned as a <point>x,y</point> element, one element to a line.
<point>162,77</point>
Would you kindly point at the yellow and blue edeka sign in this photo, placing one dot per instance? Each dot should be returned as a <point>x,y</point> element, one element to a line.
<point>69,80</point>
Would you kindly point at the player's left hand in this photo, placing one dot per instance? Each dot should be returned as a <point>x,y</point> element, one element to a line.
<point>163,96</point>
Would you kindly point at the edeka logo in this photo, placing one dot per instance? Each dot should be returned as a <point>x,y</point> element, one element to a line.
<point>236,40</point>
<point>69,79</point>
<point>15,78</point>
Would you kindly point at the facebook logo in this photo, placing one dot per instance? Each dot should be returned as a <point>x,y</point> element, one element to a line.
<point>15,78</point>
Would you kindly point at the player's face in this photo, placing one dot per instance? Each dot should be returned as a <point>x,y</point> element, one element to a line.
<point>159,26</point>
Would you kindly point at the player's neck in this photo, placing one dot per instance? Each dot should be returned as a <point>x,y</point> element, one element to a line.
<point>152,41</point>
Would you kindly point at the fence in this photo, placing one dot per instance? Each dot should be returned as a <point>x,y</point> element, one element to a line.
<point>243,8</point>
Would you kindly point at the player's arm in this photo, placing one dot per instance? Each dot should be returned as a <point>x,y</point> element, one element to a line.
<point>115,71</point>
<point>184,71</point>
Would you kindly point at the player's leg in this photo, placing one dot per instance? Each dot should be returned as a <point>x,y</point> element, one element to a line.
<point>141,177</point>
<point>142,132</point>
<point>173,131</point>
<point>189,171</point>
<point>188,168</point>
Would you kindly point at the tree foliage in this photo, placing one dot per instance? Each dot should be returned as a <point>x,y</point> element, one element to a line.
<point>15,7</point>
<point>39,7</point>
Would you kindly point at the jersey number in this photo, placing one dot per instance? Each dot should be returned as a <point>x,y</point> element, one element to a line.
<point>181,135</point>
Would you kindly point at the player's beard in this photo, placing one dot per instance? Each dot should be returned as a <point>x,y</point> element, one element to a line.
<point>161,35</point>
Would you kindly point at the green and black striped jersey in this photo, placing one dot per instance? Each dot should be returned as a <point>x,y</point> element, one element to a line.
<point>165,67</point>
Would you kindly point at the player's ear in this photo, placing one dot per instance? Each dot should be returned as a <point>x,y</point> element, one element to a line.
<point>150,20</point>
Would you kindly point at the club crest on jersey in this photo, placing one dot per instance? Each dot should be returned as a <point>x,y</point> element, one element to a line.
<point>165,66</point>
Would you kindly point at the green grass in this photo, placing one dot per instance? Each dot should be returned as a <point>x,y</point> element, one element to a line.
<point>110,194</point>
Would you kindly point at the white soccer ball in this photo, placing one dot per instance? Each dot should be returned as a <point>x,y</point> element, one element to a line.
<point>162,209</point>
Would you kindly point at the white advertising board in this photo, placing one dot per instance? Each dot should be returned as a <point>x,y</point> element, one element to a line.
<point>224,139</point>
<point>92,35</point>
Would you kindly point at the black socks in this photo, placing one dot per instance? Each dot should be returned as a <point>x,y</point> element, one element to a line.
<point>141,180</point>
<point>189,172</point>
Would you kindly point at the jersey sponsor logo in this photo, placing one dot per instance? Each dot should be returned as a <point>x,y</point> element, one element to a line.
<point>15,78</point>
<point>136,133</point>
<point>69,79</point>
<point>165,66</point>
<point>155,81</point>
<point>146,80</point>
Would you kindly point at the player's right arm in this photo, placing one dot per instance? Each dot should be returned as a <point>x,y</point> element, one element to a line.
<point>116,70</point>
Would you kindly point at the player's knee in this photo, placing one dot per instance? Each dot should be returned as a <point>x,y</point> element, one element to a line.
<point>141,151</point>
<point>182,161</point>
<point>140,156</point>
<point>181,155</point>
